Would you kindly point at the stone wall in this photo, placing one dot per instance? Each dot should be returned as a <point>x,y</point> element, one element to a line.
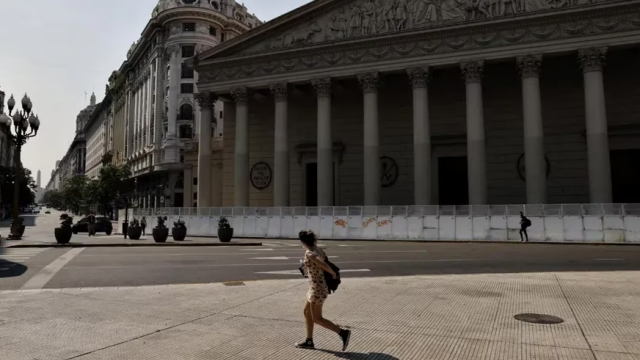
<point>562,111</point>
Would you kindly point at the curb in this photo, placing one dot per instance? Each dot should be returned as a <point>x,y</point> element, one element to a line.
<point>78,245</point>
<point>422,241</point>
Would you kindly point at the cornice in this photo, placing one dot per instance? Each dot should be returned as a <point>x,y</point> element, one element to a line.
<point>201,13</point>
<point>468,37</point>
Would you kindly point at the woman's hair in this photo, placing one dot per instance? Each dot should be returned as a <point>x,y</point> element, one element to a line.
<point>307,237</point>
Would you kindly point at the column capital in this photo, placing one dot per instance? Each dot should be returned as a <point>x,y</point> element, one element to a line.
<point>529,65</point>
<point>280,91</point>
<point>369,82</point>
<point>472,71</point>
<point>171,50</point>
<point>592,59</point>
<point>419,77</point>
<point>322,87</point>
<point>240,95</point>
<point>206,99</point>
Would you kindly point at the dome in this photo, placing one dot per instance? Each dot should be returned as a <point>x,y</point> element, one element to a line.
<point>217,5</point>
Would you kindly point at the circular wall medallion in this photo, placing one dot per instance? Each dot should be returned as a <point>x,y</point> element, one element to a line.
<point>522,169</point>
<point>388,171</point>
<point>539,319</point>
<point>260,175</point>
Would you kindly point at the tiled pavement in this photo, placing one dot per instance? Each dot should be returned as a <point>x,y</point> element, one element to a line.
<point>422,317</point>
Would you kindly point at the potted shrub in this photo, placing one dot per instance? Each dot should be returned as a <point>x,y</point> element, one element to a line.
<point>160,232</point>
<point>179,231</point>
<point>134,231</point>
<point>225,231</point>
<point>63,233</point>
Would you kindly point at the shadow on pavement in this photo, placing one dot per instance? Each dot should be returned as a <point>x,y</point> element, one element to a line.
<point>359,356</point>
<point>11,269</point>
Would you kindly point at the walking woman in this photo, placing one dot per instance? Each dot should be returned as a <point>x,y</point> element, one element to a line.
<point>314,262</point>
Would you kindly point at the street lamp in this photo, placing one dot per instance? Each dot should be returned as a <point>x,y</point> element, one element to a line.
<point>25,126</point>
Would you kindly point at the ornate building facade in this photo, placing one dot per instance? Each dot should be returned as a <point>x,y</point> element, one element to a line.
<point>154,115</point>
<point>485,102</point>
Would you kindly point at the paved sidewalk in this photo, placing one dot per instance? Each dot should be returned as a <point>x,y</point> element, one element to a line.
<point>461,317</point>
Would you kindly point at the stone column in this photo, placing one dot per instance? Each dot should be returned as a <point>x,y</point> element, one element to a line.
<point>171,141</point>
<point>421,136</point>
<point>371,154</point>
<point>592,61</point>
<point>476,152</point>
<point>325,142</point>
<point>281,152</point>
<point>534,159</point>
<point>206,101</point>
<point>241,162</point>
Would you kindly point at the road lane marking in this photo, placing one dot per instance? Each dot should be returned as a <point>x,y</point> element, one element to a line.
<point>297,272</point>
<point>168,265</point>
<point>280,258</point>
<point>257,249</point>
<point>45,275</point>
<point>19,255</point>
<point>609,259</point>
<point>248,252</point>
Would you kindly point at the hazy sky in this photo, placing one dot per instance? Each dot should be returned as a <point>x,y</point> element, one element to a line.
<point>56,50</point>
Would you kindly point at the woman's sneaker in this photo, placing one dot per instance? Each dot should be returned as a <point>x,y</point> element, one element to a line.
<point>307,344</point>
<point>345,335</point>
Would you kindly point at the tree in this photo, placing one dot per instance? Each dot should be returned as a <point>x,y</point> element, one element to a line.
<point>27,187</point>
<point>112,180</point>
<point>73,191</point>
<point>54,198</point>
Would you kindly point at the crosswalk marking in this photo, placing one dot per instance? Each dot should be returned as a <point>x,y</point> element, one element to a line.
<point>292,243</point>
<point>18,255</point>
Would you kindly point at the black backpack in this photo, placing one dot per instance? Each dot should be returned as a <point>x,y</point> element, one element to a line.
<point>332,283</point>
<point>526,222</point>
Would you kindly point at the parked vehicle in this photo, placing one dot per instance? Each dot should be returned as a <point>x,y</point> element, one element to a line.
<point>103,224</point>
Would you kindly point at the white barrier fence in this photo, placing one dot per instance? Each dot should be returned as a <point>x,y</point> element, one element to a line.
<point>610,223</point>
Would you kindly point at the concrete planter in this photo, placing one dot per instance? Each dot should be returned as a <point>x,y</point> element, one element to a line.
<point>63,236</point>
<point>225,235</point>
<point>160,235</point>
<point>134,232</point>
<point>179,233</point>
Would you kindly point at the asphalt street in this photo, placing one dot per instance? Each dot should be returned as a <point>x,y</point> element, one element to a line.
<point>279,259</point>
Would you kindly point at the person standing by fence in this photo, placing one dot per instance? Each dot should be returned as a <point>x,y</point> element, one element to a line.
<point>524,224</point>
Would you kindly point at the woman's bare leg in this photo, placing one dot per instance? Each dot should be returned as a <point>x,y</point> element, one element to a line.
<point>308,319</point>
<point>316,312</point>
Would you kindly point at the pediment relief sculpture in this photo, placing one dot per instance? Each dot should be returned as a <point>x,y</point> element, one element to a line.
<point>371,17</point>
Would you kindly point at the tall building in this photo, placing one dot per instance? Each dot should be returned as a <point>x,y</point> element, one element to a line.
<point>6,148</point>
<point>154,116</point>
<point>39,178</point>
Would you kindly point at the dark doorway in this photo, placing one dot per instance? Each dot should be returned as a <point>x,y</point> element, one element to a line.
<point>178,200</point>
<point>453,184</point>
<point>312,184</point>
<point>625,175</point>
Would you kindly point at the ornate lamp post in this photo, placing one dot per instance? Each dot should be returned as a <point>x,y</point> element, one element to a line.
<point>25,125</point>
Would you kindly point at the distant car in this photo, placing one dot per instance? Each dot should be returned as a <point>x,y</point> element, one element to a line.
<point>103,224</point>
<point>47,212</point>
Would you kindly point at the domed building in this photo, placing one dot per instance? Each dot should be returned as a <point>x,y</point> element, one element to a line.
<point>155,112</point>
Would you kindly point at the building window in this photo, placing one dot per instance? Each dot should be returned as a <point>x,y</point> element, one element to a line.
<point>195,182</point>
<point>186,112</point>
<point>220,115</point>
<point>188,2</point>
<point>188,51</point>
<point>213,31</point>
<point>186,88</point>
<point>222,37</point>
<point>195,195</point>
<point>186,72</point>
<point>188,26</point>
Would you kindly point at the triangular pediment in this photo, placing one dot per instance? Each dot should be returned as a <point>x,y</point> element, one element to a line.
<point>329,21</point>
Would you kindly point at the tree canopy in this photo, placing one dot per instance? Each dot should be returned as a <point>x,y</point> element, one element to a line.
<point>27,187</point>
<point>82,194</point>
